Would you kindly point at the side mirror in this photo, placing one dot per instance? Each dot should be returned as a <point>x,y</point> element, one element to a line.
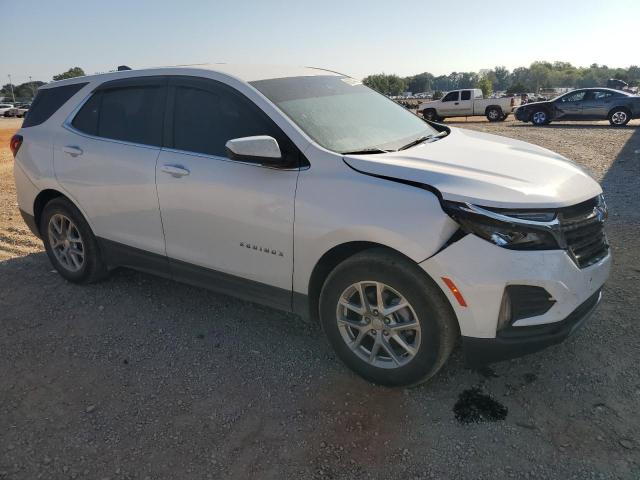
<point>259,149</point>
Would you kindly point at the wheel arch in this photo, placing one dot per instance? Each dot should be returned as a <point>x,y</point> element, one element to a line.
<point>619,107</point>
<point>44,197</point>
<point>489,107</point>
<point>330,260</point>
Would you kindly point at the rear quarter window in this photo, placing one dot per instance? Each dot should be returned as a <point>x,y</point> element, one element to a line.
<point>48,101</point>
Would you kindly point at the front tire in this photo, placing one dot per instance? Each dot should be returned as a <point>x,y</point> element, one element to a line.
<point>70,244</point>
<point>619,117</point>
<point>430,115</point>
<point>540,118</point>
<point>386,319</point>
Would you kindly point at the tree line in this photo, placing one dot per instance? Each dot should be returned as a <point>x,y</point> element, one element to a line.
<point>522,79</point>
<point>26,91</point>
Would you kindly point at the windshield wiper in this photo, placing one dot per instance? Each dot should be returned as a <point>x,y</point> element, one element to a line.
<point>366,151</point>
<point>424,138</point>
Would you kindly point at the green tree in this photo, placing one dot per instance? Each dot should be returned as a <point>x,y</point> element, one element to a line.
<point>437,95</point>
<point>386,84</point>
<point>27,90</point>
<point>71,73</point>
<point>502,77</point>
<point>485,85</point>
<point>516,88</point>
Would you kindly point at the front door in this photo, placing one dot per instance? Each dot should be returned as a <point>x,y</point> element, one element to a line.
<point>227,224</point>
<point>450,104</point>
<point>569,106</point>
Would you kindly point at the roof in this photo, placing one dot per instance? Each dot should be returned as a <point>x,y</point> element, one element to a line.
<point>246,73</point>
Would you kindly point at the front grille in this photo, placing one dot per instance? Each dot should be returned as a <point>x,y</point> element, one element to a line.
<point>582,227</point>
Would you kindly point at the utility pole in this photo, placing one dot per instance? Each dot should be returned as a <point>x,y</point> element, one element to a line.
<point>11,85</point>
<point>33,90</point>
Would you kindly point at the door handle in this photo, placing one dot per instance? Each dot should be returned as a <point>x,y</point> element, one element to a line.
<point>456,103</point>
<point>72,150</point>
<point>175,171</point>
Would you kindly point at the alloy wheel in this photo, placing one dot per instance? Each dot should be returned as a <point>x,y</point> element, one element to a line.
<point>539,118</point>
<point>619,117</point>
<point>378,324</point>
<point>66,242</point>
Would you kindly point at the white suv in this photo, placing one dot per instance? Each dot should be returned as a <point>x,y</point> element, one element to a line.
<point>304,190</point>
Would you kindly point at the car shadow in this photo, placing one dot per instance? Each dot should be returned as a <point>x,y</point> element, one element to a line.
<point>576,126</point>
<point>621,182</point>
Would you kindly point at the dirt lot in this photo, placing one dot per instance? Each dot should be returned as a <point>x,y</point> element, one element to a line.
<point>139,377</point>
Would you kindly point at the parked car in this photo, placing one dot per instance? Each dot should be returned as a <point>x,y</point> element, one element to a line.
<point>4,107</point>
<point>302,189</point>
<point>17,111</point>
<point>468,103</point>
<point>583,104</point>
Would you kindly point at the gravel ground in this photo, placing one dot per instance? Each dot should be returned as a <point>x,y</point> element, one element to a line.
<point>139,377</point>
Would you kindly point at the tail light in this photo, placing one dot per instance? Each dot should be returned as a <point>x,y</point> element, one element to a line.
<point>513,101</point>
<point>14,144</point>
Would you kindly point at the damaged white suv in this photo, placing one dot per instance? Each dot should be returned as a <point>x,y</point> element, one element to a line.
<point>304,190</point>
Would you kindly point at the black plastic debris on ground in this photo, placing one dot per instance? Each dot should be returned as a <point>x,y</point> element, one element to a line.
<point>473,406</point>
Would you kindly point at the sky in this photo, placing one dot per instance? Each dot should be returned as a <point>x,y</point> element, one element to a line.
<point>40,38</point>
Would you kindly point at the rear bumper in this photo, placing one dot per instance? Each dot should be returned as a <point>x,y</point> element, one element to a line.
<point>516,342</point>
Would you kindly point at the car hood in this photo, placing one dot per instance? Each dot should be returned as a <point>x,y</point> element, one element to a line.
<point>535,104</point>
<point>488,170</point>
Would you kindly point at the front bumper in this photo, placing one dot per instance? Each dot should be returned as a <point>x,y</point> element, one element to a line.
<point>481,271</point>
<point>516,342</point>
<point>522,115</point>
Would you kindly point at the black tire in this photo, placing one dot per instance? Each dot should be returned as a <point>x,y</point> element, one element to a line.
<point>540,117</point>
<point>430,114</point>
<point>93,267</point>
<point>432,309</point>
<point>494,114</point>
<point>619,116</point>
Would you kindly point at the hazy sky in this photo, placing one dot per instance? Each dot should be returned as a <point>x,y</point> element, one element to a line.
<point>45,37</point>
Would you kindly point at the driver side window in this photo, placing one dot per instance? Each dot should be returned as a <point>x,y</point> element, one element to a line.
<point>451,97</point>
<point>574,97</point>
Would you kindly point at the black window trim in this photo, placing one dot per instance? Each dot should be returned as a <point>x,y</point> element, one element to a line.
<point>167,124</point>
<point>199,82</point>
<point>113,84</point>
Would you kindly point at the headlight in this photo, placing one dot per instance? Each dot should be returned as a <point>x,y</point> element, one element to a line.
<point>516,230</point>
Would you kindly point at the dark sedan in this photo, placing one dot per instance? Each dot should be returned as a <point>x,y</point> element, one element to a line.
<point>583,104</point>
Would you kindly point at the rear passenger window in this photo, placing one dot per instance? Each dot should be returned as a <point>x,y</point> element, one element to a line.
<point>466,95</point>
<point>205,119</point>
<point>131,114</point>
<point>48,101</point>
<point>86,119</point>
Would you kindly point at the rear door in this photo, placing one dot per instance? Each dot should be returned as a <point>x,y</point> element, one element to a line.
<point>465,106</point>
<point>597,104</point>
<point>105,159</point>
<point>227,223</point>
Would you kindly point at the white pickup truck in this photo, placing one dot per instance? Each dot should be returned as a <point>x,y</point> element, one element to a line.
<point>468,103</point>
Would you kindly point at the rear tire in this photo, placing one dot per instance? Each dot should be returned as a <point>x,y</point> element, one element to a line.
<point>71,246</point>
<point>619,117</point>
<point>413,342</point>
<point>494,114</point>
